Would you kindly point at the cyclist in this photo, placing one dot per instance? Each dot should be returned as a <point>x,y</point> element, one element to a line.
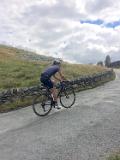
<point>46,76</point>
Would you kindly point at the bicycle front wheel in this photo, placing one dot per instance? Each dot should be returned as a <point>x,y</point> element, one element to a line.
<point>41,105</point>
<point>67,97</point>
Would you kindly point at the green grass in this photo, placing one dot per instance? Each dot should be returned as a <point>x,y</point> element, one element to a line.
<point>14,73</point>
<point>19,103</point>
<point>115,156</point>
<point>18,73</point>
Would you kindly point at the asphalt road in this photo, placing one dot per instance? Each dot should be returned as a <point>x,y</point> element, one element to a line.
<point>90,130</point>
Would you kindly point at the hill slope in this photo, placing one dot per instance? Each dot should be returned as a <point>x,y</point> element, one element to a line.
<point>22,54</point>
<point>20,68</point>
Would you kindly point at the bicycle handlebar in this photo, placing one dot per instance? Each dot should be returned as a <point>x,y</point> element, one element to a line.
<point>64,83</point>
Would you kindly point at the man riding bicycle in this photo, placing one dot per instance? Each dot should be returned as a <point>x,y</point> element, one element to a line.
<point>46,76</point>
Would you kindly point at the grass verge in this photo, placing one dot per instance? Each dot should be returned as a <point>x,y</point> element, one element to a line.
<point>115,156</point>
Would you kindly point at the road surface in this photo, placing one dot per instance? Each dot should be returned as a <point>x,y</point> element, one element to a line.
<point>90,130</point>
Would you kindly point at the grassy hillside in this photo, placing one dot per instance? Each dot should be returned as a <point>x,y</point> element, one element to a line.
<point>19,68</point>
<point>23,54</point>
<point>17,71</point>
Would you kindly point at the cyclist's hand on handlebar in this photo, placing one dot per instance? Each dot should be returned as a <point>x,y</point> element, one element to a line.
<point>65,81</point>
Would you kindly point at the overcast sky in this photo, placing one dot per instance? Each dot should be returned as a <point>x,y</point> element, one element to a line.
<point>75,30</point>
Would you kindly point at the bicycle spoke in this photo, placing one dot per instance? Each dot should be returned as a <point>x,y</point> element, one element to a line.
<point>67,97</point>
<point>41,107</point>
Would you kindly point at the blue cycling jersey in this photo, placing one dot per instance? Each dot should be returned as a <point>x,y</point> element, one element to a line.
<point>50,71</point>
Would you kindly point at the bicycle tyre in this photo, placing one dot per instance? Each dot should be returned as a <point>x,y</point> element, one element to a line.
<point>38,105</point>
<point>67,94</point>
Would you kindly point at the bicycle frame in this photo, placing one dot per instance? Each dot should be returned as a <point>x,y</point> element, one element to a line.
<point>61,89</point>
<point>63,95</point>
<point>48,93</point>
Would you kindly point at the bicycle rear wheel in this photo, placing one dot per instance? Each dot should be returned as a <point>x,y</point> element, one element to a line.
<point>42,105</point>
<point>67,97</point>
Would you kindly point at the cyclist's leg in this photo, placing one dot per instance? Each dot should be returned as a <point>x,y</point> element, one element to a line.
<point>54,94</point>
<point>50,85</point>
<point>53,91</point>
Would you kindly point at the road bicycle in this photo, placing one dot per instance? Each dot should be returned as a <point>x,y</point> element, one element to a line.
<point>43,103</point>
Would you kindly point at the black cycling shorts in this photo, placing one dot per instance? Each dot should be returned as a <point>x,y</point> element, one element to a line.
<point>47,82</point>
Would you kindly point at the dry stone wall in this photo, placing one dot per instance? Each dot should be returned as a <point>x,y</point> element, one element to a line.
<point>80,83</point>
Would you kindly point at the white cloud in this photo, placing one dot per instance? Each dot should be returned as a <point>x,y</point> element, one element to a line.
<point>107,10</point>
<point>53,27</point>
<point>95,6</point>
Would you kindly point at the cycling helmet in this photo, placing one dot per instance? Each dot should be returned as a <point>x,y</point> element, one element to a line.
<point>56,62</point>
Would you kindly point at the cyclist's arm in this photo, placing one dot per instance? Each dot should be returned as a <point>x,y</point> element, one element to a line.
<point>58,78</point>
<point>61,77</point>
